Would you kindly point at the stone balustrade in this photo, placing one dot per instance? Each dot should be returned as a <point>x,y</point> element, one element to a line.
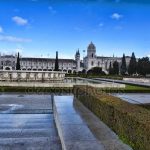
<point>20,75</point>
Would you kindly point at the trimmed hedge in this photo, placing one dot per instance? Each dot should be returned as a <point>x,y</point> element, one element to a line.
<point>126,90</point>
<point>37,90</point>
<point>116,77</point>
<point>147,106</point>
<point>130,122</point>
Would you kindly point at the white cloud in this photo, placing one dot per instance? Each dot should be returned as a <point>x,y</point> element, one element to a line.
<point>116,16</point>
<point>20,21</point>
<point>1,29</point>
<point>13,39</point>
<point>52,10</point>
<point>148,55</point>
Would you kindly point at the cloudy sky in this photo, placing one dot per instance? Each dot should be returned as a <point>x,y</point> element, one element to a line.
<point>40,27</point>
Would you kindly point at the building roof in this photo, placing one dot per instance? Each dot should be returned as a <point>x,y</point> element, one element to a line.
<point>46,59</point>
<point>91,46</point>
<point>8,56</point>
<point>78,52</point>
<point>105,57</point>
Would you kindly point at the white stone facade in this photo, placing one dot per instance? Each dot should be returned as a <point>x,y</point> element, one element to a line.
<point>92,60</point>
<point>15,75</point>
<point>8,62</point>
<point>47,64</point>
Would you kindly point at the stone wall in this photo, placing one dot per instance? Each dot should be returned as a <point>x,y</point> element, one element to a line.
<point>31,75</point>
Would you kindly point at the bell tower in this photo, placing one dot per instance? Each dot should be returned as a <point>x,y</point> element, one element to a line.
<point>91,56</point>
<point>91,51</point>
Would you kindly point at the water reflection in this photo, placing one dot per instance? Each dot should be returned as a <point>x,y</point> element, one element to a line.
<point>10,107</point>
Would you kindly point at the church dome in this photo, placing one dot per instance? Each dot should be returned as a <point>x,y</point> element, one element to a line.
<point>91,46</point>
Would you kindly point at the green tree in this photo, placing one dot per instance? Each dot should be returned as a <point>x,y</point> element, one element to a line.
<point>115,68</point>
<point>123,68</point>
<point>18,62</point>
<point>110,69</point>
<point>132,65</point>
<point>83,71</point>
<point>96,71</point>
<point>143,66</point>
<point>56,62</point>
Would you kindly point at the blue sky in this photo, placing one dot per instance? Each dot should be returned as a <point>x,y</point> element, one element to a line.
<point>40,27</point>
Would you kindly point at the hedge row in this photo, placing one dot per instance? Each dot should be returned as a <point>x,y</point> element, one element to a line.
<point>130,122</point>
<point>147,106</point>
<point>37,90</point>
<point>125,90</point>
<point>116,77</point>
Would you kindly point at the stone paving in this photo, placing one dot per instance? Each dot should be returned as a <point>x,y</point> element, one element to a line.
<point>77,127</point>
<point>32,131</point>
<point>124,82</point>
<point>25,103</point>
<point>137,98</point>
<point>80,129</point>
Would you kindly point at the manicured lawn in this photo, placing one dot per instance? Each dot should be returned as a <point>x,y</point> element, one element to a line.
<point>133,87</point>
<point>128,89</point>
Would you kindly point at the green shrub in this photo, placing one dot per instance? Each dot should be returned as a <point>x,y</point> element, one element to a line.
<point>130,122</point>
<point>37,90</point>
<point>147,106</point>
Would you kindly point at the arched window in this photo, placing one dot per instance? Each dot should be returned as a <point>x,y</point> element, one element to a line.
<point>92,63</point>
<point>69,71</point>
<point>92,55</point>
<point>7,68</point>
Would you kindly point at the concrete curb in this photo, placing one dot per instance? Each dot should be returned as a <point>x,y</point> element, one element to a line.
<point>72,130</point>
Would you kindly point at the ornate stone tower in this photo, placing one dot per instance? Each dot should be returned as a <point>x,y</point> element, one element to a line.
<point>91,56</point>
<point>91,51</point>
<point>77,58</point>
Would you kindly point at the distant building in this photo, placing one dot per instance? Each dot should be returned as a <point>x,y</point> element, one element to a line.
<point>8,62</point>
<point>92,60</point>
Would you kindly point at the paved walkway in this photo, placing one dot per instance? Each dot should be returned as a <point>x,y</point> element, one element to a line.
<point>23,103</point>
<point>80,129</point>
<point>123,82</point>
<point>32,131</point>
<point>138,98</point>
<point>28,132</point>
